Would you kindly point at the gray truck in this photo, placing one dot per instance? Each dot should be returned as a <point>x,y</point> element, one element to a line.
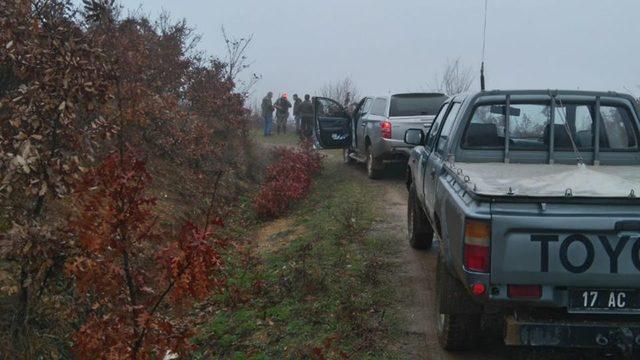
<point>374,133</point>
<point>533,196</point>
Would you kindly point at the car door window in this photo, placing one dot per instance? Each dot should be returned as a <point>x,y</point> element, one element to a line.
<point>446,128</point>
<point>365,107</point>
<point>379,107</point>
<point>433,132</point>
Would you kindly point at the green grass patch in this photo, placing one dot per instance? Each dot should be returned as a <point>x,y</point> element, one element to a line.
<point>323,294</point>
<point>288,139</point>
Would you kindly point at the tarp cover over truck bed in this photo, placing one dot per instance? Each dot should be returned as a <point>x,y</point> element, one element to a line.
<point>544,180</point>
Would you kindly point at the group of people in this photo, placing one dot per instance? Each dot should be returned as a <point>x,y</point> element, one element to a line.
<point>302,113</point>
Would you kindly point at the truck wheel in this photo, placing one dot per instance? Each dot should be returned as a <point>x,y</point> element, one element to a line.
<point>419,230</point>
<point>346,158</point>
<point>456,331</point>
<point>373,170</point>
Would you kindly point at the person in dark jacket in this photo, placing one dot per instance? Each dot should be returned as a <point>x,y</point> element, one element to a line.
<point>306,117</point>
<point>282,106</point>
<point>267,113</point>
<point>296,111</point>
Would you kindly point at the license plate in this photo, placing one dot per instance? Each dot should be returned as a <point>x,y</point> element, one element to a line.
<point>589,300</point>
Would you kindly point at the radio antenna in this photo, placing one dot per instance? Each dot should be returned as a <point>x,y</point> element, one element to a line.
<point>484,44</point>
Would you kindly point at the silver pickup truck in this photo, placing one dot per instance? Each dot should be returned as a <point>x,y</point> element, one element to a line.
<point>374,133</point>
<point>533,196</point>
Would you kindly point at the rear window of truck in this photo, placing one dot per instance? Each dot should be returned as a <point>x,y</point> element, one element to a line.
<point>416,104</point>
<point>530,127</point>
<point>379,107</point>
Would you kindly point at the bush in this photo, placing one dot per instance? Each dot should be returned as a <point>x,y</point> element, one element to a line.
<point>287,180</point>
<point>79,96</point>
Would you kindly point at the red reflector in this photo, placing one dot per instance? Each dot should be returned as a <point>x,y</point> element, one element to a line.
<point>478,289</point>
<point>385,129</point>
<point>524,291</point>
<point>476,258</point>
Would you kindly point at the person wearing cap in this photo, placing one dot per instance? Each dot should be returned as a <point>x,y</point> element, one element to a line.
<point>267,113</point>
<point>282,106</point>
<point>296,111</point>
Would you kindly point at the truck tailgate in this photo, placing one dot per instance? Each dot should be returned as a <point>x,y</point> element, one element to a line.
<point>400,125</point>
<point>564,244</point>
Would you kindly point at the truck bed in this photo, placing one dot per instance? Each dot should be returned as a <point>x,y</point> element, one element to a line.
<point>403,123</point>
<point>543,180</point>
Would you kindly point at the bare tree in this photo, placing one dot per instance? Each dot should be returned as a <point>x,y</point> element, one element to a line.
<point>237,61</point>
<point>338,91</point>
<point>456,78</point>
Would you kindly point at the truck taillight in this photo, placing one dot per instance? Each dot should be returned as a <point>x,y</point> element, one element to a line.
<point>385,129</point>
<point>477,249</point>
<point>524,291</point>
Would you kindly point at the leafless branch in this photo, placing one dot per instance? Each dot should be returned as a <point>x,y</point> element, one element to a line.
<point>456,78</point>
<point>237,61</point>
<point>338,90</point>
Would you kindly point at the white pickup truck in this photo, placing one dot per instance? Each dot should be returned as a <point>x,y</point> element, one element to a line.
<point>374,133</point>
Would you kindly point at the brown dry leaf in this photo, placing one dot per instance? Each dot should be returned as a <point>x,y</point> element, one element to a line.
<point>43,189</point>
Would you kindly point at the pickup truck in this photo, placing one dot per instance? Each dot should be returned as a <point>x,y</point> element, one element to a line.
<point>375,131</point>
<point>533,196</point>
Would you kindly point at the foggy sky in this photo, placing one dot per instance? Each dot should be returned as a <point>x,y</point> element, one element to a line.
<point>400,45</point>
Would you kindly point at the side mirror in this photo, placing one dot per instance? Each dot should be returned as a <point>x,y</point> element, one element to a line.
<point>414,137</point>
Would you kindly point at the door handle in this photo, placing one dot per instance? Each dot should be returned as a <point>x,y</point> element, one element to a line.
<point>363,124</point>
<point>433,173</point>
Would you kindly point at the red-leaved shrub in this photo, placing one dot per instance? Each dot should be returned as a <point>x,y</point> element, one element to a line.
<point>135,279</point>
<point>287,180</point>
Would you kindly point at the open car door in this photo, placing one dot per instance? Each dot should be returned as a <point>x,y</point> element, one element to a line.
<point>332,123</point>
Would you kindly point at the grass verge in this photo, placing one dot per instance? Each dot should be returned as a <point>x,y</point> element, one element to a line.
<point>313,285</point>
<point>288,139</point>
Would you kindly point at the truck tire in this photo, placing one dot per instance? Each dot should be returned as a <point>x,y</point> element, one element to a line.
<point>373,168</point>
<point>346,158</point>
<point>456,330</point>
<point>419,230</point>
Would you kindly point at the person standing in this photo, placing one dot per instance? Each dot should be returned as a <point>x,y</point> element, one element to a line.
<point>306,117</point>
<point>347,99</point>
<point>267,113</point>
<point>282,106</point>
<point>296,111</point>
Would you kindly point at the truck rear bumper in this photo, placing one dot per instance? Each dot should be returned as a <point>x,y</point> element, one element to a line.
<point>390,150</point>
<point>574,334</point>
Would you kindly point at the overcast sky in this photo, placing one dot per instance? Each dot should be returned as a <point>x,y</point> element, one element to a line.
<point>400,45</point>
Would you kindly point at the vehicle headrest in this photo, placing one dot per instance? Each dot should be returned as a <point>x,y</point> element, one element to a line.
<point>560,136</point>
<point>483,135</point>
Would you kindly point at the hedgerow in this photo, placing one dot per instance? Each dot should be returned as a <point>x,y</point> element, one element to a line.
<point>86,267</point>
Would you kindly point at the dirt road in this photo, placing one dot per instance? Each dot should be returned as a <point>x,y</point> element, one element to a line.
<point>416,290</point>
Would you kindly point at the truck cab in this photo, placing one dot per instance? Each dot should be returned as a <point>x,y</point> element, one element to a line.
<point>533,197</point>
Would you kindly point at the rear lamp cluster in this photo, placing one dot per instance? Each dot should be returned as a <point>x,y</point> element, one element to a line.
<point>385,129</point>
<point>477,245</point>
